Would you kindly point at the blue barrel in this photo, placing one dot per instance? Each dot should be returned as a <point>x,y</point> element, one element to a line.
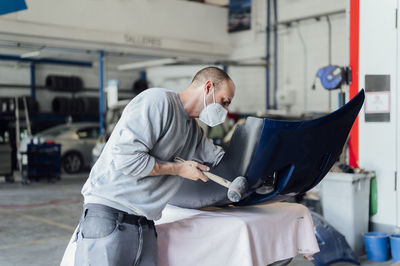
<point>377,246</point>
<point>395,247</point>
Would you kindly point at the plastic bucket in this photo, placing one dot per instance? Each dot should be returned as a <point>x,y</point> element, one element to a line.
<point>395,247</point>
<point>377,246</point>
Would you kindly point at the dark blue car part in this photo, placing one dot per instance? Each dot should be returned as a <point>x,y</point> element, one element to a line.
<point>310,147</point>
<point>295,154</point>
<point>332,244</point>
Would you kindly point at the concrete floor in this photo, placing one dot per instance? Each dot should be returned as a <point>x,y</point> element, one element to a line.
<point>299,261</point>
<point>37,221</point>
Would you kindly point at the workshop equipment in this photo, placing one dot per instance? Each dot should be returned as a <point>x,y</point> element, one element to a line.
<point>334,77</point>
<point>44,161</point>
<point>5,158</point>
<point>236,188</point>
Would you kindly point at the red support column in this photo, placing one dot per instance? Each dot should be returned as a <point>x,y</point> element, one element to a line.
<point>354,61</point>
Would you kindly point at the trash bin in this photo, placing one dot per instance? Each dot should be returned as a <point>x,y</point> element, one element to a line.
<point>345,204</point>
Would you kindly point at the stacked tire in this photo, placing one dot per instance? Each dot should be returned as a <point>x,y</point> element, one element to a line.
<point>91,105</point>
<point>75,106</point>
<point>64,83</point>
<point>61,105</point>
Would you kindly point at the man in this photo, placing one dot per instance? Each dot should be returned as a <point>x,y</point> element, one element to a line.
<point>136,175</point>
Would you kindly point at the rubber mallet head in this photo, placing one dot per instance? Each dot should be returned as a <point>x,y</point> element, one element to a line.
<point>237,188</point>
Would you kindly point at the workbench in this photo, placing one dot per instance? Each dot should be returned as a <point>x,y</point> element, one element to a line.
<point>242,236</point>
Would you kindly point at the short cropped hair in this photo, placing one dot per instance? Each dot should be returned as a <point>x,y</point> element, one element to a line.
<point>215,74</point>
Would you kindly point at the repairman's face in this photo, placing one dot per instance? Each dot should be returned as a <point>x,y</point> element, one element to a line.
<point>223,95</point>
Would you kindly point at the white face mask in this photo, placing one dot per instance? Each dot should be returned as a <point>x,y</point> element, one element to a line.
<point>213,114</point>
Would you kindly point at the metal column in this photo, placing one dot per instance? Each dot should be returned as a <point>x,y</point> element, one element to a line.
<point>33,81</point>
<point>267,54</point>
<point>143,75</point>
<point>101,93</point>
<point>275,106</point>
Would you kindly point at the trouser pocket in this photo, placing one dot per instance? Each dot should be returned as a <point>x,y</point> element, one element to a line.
<point>95,227</point>
<point>101,242</point>
<point>105,240</point>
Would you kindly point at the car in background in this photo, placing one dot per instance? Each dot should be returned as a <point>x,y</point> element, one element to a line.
<point>77,141</point>
<point>112,117</point>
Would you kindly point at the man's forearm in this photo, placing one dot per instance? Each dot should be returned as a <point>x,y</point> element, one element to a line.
<point>187,169</point>
<point>167,168</point>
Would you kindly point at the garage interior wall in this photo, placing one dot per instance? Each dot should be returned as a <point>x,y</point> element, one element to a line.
<point>379,145</point>
<point>296,69</point>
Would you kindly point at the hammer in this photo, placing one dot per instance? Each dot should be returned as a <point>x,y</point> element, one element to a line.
<point>236,188</point>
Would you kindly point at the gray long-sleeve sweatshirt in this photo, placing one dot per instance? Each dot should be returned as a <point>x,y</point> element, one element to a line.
<point>153,126</point>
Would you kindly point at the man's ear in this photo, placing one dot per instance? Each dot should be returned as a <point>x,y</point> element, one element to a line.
<point>208,86</point>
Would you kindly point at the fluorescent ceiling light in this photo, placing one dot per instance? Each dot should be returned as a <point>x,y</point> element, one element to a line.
<point>30,54</point>
<point>146,64</point>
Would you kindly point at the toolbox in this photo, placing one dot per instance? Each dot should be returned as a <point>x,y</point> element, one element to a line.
<point>5,162</point>
<point>44,161</point>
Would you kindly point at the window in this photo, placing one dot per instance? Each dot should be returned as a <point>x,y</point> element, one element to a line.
<point>88,133</point>
<point>55,131</point>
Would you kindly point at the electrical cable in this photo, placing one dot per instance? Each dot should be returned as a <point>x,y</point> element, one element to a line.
<point>329,58</point>
<point>305,68</point>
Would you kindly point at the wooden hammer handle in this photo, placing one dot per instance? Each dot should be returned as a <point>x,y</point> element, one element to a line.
<point>218,179</point>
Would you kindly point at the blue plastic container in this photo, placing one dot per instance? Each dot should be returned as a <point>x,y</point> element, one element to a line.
<point>395,247</point>
<point>377,246</point>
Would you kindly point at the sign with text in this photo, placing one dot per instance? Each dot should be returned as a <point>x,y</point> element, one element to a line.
<point>144,41</point>
<point>377,98</point>
<point>377,102</point>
